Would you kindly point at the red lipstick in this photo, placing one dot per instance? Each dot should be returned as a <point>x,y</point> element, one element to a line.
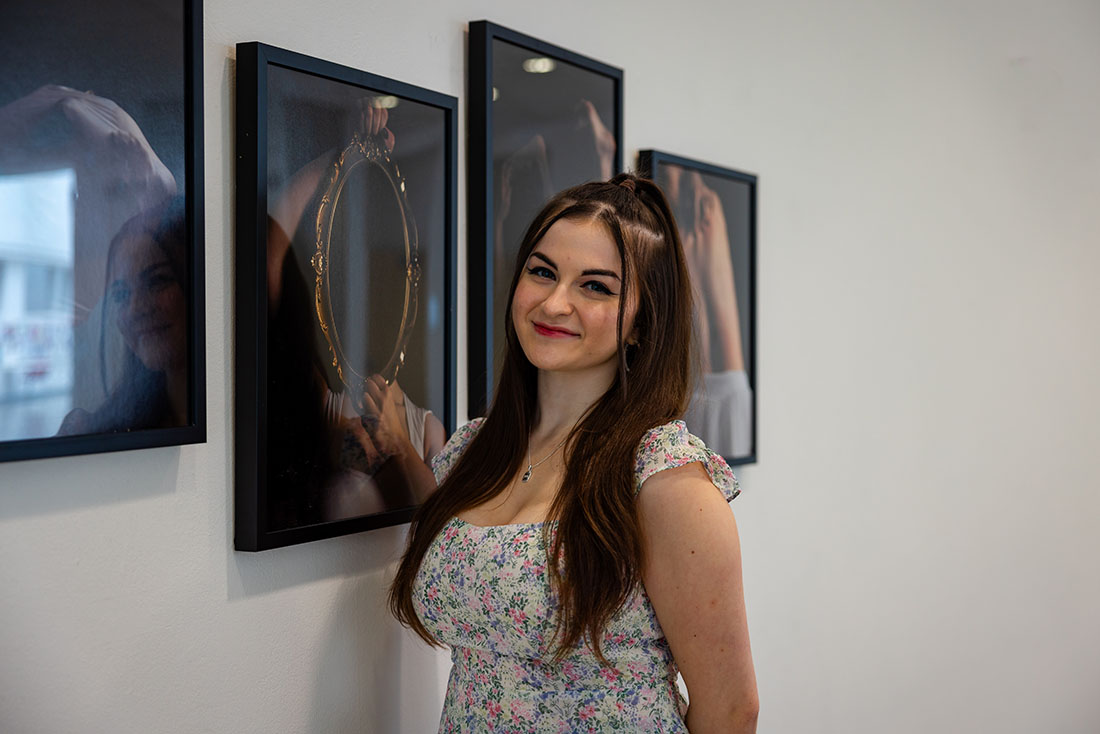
<point>552,331</point>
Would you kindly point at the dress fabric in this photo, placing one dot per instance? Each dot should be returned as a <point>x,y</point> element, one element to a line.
<point>415,417</point>
<point>720,413</point>
<point>485,592</point>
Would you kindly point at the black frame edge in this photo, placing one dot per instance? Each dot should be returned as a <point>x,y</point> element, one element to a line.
<point>55,446</point>
<point>250,533</point>
<point>648,160</point>
<point>479,189</point>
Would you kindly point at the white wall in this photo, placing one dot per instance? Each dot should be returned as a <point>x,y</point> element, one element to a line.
<point>919,535</point>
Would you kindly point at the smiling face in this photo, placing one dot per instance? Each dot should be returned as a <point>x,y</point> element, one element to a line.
<point>566,303</point>
<point>149,303</point>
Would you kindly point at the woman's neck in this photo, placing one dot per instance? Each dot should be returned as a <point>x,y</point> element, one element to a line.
<point>564,398</point>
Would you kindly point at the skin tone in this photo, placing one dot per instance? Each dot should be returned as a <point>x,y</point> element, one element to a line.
<point>290,202</point>
<point>707,249</point>
<point>404,465</point>
<point>401,477</point>
<point>692,575</point>
<point>604,138</point>
<point>434,434</point>
<point>565,310</point>
<point>151,313</point>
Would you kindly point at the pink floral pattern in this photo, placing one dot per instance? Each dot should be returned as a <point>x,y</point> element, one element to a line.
<point>485,592</point>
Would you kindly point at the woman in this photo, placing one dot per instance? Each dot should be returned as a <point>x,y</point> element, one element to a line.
<point>146,304</point>
<point>577,553</point>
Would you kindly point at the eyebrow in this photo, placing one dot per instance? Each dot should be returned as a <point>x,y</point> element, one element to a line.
<point>149,270</point>
<point>146,271</point>
<point>590,271</point>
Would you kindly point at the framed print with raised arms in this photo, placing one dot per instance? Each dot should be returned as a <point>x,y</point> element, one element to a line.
<point>715,209</point>
<point>541,119</point>
<point>101,227</point>
<point>346,190</point>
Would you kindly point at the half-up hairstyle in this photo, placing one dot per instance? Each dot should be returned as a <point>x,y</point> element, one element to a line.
<point>596,556</point>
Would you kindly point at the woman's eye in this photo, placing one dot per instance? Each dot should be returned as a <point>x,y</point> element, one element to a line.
<point>598,287</point>
<point>541,271</point>
<point>159,281</point>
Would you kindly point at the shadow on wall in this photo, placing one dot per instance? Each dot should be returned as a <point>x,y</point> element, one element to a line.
<point>373,675</point>
<point>349,556</point>
<point>92,480</point>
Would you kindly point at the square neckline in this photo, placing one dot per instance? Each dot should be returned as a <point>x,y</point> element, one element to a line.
<point>467,523</point>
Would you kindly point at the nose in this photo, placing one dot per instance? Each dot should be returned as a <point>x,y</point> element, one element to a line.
<point>558,301</point>
<point>136,307</point>
<point>141,302</point>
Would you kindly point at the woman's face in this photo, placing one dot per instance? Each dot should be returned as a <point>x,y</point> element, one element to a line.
<point>566,303</point>
<point>149,303</point>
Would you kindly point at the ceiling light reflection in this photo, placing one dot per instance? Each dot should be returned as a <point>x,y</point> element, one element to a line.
<point>539,65</point>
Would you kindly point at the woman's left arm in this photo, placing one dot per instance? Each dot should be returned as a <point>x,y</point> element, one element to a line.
<point>692,574</point>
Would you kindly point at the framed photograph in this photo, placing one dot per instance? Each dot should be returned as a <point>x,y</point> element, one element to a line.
<point>541,119</point>
<point>715,210</point>
<point>346,195</point>
<point>101,227</point>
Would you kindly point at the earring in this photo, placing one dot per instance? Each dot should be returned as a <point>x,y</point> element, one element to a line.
<point>631,350</point>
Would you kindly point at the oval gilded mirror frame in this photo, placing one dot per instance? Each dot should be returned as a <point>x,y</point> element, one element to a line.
<point>363,151</point>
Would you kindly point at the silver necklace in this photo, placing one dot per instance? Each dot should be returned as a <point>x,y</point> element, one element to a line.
<point>531,467</point>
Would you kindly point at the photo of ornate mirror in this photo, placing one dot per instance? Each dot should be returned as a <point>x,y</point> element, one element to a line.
<point>366,234</point>
<point>345,296</point>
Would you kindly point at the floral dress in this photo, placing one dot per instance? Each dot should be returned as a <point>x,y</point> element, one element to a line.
<point>485,592</point>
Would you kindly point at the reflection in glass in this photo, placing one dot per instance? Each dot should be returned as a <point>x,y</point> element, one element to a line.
<point>373,245</point>
<point>36,291</point>
<point>713,214</point>
<point>143,339</point>
<point>354,248</point>
<point>94,132</point>
<point>552,124</point>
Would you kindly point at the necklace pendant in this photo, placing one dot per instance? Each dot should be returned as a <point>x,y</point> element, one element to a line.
<point>526,474</point>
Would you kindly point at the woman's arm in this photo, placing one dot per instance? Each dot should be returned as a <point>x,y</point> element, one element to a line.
<point>692,574</point>
<point>713,275</point>
<point>435,437</point>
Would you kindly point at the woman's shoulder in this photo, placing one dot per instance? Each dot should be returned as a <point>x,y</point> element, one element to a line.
<point>672,445</point>
<point>77,421</point>
<point>456,444</point>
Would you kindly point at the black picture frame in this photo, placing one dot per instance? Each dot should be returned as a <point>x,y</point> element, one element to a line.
<point>146,80</point>
<point>488,274</point>
<point>719,406</point>
<point>263,70</point>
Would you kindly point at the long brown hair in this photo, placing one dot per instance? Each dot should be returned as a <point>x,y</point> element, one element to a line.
<point>595,559</point>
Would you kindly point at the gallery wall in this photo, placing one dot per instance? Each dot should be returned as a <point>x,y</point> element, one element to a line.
<point>919,536</point>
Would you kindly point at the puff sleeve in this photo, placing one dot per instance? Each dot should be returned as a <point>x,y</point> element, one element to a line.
<point>672,445</point>
<point>456,444</point>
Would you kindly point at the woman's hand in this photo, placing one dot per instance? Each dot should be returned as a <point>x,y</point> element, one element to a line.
<point>603,138</point>
<point>380,418</point>
<point>373,120</point>
<point>403,473</point>
<point>357,451</point>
